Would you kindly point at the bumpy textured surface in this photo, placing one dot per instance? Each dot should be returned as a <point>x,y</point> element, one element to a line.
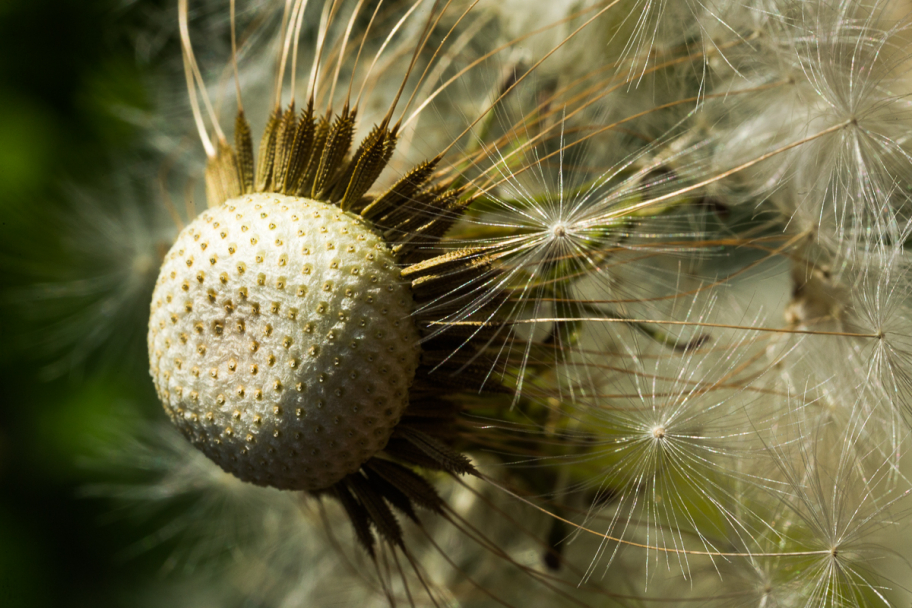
<point>280,340</point>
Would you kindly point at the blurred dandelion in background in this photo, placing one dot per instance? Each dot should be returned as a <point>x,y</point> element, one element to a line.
<point>476,303</point>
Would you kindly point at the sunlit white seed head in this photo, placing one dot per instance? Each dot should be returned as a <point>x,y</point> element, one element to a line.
<point>559,230</point>
<point>280,340</point>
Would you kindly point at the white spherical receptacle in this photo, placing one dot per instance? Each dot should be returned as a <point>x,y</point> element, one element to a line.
<point>280,340</point>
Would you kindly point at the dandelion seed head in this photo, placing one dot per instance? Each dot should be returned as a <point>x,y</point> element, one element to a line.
<point>86,286</point>
<point>650,251</point>
<point>559,230</point>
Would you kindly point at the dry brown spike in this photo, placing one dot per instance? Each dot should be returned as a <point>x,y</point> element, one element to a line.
<point>401,192</point>
<point>338,142</point>
<point>364,169</point>
<point>243,146</point>
<point>266,159</point>
<point>301,150</point>
<point>381,516</point>
<point>416,487</point>
<point>390,493</point>
<point>285,134</point>
<point>359,517</point>
<point>449,459</point>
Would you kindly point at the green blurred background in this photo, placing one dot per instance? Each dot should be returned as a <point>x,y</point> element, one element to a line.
<point>72,83</point>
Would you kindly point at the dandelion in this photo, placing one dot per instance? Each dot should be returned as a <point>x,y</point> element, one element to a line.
<point>560,310</point>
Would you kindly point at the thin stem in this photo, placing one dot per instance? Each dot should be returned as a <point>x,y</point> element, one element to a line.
<point>721,176</point>
<point>652,547</point>
<point>234,61</point>
<point>657,322</point>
